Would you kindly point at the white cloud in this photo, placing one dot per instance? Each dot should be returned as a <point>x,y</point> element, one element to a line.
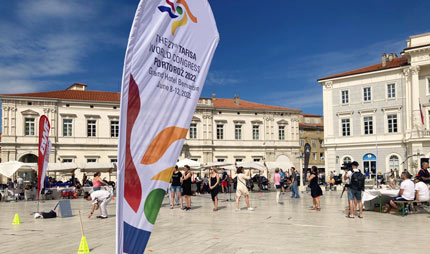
<point>218,78</point>
<point>301,99</point>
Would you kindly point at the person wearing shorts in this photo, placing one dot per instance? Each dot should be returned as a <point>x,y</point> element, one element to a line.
<point>406,193</point>
<point>224,187</point>
<point>175,188</point>
<point>241,189</point>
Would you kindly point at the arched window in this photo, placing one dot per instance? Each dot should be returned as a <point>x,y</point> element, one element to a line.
<point>347,159</point>
<point>394,163</point>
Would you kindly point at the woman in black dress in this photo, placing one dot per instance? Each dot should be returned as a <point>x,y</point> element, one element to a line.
<point>186,187</point>
<point>316,191</point>
<point>214,187</point>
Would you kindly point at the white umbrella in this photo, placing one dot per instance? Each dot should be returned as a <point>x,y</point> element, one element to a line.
<point>9,168</point>
<point>97,167</point>
<point>191,163</point>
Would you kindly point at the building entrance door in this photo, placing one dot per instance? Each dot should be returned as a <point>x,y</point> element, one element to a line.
<point>369,164</point>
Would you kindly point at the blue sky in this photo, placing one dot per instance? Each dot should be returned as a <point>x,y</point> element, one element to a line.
<point>269,52</point>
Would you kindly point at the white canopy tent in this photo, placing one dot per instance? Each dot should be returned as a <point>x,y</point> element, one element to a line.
<point>97,167</point>
<point>252,165</point>
<point>65,168</point>
<point>217,164</point>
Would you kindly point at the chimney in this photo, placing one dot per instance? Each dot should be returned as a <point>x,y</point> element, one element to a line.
<point>213,96</point>
<point>236,99</point>
<point>384,60</point>
<point>391,56</point>
<point>77,86</point>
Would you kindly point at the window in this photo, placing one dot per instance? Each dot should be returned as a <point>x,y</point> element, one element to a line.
<point>220,160</point>
<point>239,159</point>
<point>91,160</point>
<point>346,127</point>
<point>67,127</point>
<point>302,131</point>
<point>67,160</point>
<point>428,85</point>
<point>368,125</point>
<point>367,96</point>
<point>347,160</point>
<point>307,120</point>
<point>193,131</point>
<point>238,132</point>
<point>391,91</point>
<point>302,142</point>
<point>314,143</point>
<point>255,132</point>
<point>91,128</point>
<point>314,156</point>
<point>113,160</point>
<point>220,131</point>
<point>392,123</point>
<point>114,129</point>
<point>257,159</point>
<point>345,97</point>
<point>393,162</point>
<point>29,126</point>
<point>281,132</point>
<point>322,156</point>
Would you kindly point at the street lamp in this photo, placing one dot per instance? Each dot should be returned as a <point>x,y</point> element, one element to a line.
<point>410,156</point>
<point>301,157</point>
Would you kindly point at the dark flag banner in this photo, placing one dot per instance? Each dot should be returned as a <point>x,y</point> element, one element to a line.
<point>307,155</point>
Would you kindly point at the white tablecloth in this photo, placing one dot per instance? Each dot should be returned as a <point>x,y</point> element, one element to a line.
<point>372,194</point>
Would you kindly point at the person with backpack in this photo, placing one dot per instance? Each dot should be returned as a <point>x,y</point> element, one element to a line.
<point>356,186</point>
<point>424,174</point>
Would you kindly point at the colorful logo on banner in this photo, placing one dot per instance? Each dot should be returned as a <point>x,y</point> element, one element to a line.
<point>181,9</point>
<point>44,145</point>
<point>157,148</point>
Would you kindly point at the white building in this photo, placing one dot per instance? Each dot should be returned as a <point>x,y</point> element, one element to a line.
<point>372,114</point>
<point>85,124</point>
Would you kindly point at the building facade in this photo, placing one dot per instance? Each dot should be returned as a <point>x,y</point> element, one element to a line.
<point>312,132</point>
<point>372,115</point>
<point>85,128</point>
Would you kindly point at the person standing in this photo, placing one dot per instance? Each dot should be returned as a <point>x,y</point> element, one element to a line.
<point>224,181</point>
<point>214,187</point>
<point>356,186</point>
<point>282,176</point>
<point>97,181</point>
<point>241,189</point>
<point>277,183</point>
<point>186,186</point>
<point>424,174</point>
<point>316,191</point>
<point>198,183</point>
<point>175,188</point>
<point>20,183</point>
<point>294,188</point>
<point>101,199</point>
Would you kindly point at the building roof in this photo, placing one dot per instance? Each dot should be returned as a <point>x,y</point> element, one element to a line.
<point>229,103</point>
<point>306,114</point>
<point>78,95</point>
<point>100,96</point>
<point>311,125</point>
<point>396,62</point>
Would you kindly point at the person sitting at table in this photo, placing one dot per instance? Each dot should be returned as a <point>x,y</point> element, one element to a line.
<point>421,190</point>
<point>406,193</point>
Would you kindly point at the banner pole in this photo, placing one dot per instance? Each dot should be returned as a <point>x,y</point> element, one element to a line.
<point>80,220</point>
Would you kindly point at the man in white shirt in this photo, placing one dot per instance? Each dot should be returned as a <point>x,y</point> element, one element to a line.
<point>406,193</point>
<point>20,182</point>
<point>100,199</point>
<point>421,190</point>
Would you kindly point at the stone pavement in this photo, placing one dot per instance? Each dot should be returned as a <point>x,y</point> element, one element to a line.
<point>271,228</point>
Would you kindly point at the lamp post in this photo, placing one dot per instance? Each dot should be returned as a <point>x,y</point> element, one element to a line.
<point>301,188</point>
<point>410,156</point>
